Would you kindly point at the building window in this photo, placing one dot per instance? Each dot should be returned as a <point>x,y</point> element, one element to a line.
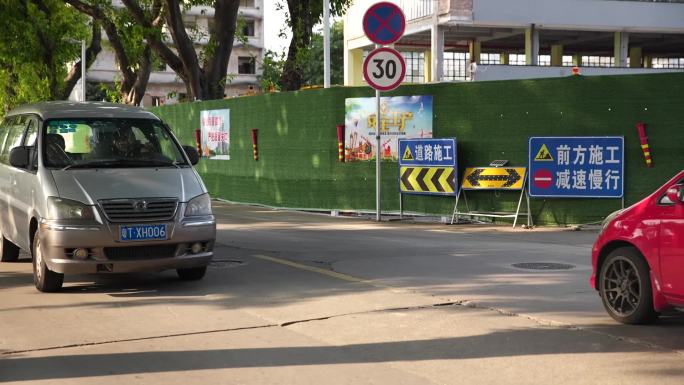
<point>598,61</point>
<point>415,66</point>
<point>248,28</point>
<point>544,60</point>
<point>189,22</point>
<point>517,59</point>
<point>247,3</point>
<point>490,58</point>
<point>668,62</point>
<point>246,65</point>
<point>567,61</point>
<point>456,66</point>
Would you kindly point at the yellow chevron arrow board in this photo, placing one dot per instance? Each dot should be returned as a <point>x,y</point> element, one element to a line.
<point>428,180</point>
<point>493,178</point>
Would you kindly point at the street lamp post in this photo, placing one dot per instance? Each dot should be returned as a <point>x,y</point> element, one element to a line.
<point>83,70</point>
<point>326,43</point>
<point>83,64</point>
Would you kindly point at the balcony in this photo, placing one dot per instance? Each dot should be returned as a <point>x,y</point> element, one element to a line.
<point>419,9</point>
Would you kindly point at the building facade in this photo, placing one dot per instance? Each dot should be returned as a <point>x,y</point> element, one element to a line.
<point>508,37</point>
<point>165,87</point>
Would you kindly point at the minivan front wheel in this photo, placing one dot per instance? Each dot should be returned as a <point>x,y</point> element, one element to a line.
<point>625,287</point>
<point>9,252</point>
<point>45,279</point>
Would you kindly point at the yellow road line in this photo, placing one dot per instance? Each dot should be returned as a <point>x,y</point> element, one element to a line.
<point>329,273</point>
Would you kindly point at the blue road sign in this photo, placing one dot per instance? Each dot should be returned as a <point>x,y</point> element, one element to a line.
<point>384,23</point>
<point>577,167</point>
<point>427,166</point>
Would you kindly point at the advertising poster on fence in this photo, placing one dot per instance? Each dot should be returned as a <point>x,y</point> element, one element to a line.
<point>401,117</point>
<point>215,127</point>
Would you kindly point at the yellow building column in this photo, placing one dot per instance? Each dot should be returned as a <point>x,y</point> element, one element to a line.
<point>505,59</point>
<point>427,66</point>
<point>354,67</point>
<point>474,48</point>
<point>635,57</point>
<point>648,61</point>
<point>557,55</point>
<point>577,59</point>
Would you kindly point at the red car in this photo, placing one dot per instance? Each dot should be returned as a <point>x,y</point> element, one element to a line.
<point>638,258</point>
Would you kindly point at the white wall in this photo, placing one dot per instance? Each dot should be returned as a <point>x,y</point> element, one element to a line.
<point>582,14</point>
<point>505,72</point>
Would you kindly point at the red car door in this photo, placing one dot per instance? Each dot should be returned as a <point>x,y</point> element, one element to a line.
<point>672,248</point>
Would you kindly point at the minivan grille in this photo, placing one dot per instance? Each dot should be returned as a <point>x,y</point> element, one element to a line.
<point>140,252</point>
<point>139,210</point>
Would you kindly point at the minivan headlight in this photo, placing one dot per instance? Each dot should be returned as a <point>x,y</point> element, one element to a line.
<point>199,205</point>
<point>60,208</point>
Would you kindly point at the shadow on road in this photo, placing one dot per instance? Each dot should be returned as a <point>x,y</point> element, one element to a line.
<point>507,343</point>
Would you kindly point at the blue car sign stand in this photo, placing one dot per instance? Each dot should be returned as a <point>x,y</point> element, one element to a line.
<point>576,167</point>
<point>427,167</point>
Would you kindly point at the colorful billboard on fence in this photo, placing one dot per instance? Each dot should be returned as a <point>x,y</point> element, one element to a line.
<point>402,117</point>
<point>215,127</point>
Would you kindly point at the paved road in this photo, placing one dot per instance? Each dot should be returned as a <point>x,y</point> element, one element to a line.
<point>310,299</point>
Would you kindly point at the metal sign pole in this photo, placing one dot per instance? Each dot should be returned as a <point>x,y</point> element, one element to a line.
<point>378,153</point>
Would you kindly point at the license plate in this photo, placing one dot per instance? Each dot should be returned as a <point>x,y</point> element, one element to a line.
<point>142,232</point>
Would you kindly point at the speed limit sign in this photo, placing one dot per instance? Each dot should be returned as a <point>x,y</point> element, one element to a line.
<point>384,69</point>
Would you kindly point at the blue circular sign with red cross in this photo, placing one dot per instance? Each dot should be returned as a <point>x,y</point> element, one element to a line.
<point>384,23</point>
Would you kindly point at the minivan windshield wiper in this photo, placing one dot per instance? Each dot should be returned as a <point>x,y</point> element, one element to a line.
<point>112,163</point>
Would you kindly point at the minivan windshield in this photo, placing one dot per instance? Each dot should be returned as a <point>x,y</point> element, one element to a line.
<point>109,142</point>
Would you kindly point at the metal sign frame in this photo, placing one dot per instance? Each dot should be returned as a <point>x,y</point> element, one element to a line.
<point>487,214</point>
<point>394,11</point>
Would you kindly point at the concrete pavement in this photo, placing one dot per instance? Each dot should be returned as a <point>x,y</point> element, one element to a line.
<point>302,298</point>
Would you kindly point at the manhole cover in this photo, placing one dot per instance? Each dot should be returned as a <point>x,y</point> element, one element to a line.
<point>225,264</point>
<point>542,266</point>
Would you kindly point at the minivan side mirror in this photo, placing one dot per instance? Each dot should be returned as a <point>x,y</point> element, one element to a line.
<point>19,157</point>
<point>676,193</point>
<point>192,153</point>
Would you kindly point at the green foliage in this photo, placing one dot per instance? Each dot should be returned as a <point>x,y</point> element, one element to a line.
<point>112,93</point>
<point>39,38</point>
<point>312,64</point>
<point>272,69</point>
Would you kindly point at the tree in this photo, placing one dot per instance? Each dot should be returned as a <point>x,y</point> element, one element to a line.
<point>312,67</point>
<point>205,72</point>
<point>302,16</point>
<point>271,70</point>
<point>133,54</point>
<point>36,47</point>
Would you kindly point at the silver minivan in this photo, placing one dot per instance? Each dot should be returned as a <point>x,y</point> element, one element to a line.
<point>100,187</point>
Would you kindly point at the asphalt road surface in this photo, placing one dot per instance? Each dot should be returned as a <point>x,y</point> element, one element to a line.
<point>296,298</point>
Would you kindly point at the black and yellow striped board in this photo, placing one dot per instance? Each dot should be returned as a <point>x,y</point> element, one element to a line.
<point>427,180</point>
<point>493,178</point>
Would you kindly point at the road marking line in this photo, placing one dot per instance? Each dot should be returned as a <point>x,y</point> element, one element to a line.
<point>318,270</point>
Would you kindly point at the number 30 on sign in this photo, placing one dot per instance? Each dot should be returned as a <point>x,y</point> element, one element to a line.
<point>384,69</point>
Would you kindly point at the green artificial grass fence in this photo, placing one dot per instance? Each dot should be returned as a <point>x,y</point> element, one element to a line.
<point>297,141</point>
